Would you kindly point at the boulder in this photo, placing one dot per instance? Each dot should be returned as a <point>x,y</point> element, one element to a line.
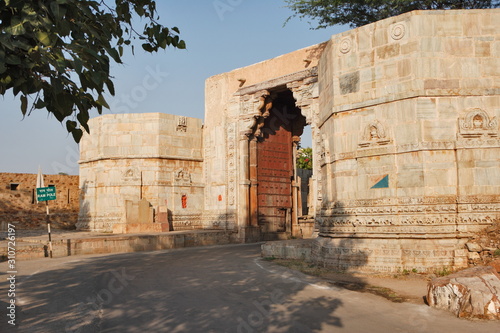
<point>471,293</point>
<point>474,247</point>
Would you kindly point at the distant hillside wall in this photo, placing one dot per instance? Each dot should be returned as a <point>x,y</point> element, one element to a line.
<point>18,201</point>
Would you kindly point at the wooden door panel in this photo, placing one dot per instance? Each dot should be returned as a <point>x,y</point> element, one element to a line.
<point>274,174</point>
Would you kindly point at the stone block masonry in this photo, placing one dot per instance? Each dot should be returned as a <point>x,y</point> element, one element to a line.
<point>413,100</point>
<point>404,116</point>
<point>81,243</point>
<point>152,158</point>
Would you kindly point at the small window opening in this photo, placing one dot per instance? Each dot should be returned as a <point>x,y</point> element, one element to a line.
<point>14,186</point>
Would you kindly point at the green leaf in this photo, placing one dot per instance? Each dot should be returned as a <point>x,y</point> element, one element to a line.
<point>77,62</point>
<point>83,118</point>
<point>139,10</point>
<point>54,8</point>
<point>24,105</point>
<point>16,28</point>
<point>40,104</point>
<point>147,47</point>
<point>77,134</point>
<point>101,101</point>
<point>114,54</point>
<point>43,37</point>
<point>71,125</point>
<point>12,59</point>
<point>111,87</point>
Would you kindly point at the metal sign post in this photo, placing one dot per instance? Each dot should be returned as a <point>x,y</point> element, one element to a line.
<point>46,194</point>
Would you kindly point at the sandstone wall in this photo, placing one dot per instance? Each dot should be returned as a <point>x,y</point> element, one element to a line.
<point>232,105</point>
<point>152,156</point>
<point>409,110</point>
<point>19,206</point>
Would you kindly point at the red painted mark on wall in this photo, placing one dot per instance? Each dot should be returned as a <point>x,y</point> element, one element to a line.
<point>219,197</point>
<point>184,201</point>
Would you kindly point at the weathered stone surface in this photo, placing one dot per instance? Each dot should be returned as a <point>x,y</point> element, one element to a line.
<point>474,247</point>
<point>151,156</point>
<point>290,249</point>
<point>416,121</point>
<point>496,265</point>
<point>473,256</point>
<point>137,228</point>
<point>471,293</point>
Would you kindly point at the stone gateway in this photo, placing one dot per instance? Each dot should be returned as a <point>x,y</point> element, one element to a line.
<point>405,138</point>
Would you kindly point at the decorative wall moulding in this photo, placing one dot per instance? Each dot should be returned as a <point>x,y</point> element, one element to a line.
<point>345,45</point>
<point>398,31</point>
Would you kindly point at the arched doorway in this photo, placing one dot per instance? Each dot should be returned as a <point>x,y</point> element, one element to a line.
<point>280,130</point>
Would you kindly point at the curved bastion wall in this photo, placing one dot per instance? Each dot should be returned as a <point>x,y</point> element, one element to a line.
<point>141,172</point>
<point>410,147</point>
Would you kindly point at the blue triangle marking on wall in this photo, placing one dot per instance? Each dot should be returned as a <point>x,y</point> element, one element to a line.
<point>383,183</point>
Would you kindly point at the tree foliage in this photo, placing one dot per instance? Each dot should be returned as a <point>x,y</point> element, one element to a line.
<point>56,54</point>
<point>304,158</point>
<point>360,12</point>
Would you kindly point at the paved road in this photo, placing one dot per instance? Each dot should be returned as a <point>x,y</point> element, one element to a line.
<point>211,289</point>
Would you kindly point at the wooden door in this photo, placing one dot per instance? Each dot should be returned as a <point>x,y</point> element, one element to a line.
<point>274,177</point>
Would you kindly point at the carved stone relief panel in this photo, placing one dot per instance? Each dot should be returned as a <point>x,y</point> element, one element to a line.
<point>182,177</point>
<point>374,134</point>
<point>252,109</point>
<point>477,129</point>
<point>131,174</point>
<point>306,95</point>
<point>398,31</point>
<point>182,124</point>
<point>345,45</point>
<point>476,123</point>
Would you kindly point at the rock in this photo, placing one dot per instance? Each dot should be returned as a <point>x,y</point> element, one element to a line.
<point>471,293</point>
<point>473,256</point>
<point>496,265</point>
<point>490,249</point>
<point>474,247</point>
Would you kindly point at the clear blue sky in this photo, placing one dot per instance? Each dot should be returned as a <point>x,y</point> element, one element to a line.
<point>221,35</point>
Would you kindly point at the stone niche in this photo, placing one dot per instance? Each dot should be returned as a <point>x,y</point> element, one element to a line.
<point>409,109</point>
<point>141,173</point>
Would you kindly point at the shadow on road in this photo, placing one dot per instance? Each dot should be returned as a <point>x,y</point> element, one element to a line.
<point>211,289</point>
